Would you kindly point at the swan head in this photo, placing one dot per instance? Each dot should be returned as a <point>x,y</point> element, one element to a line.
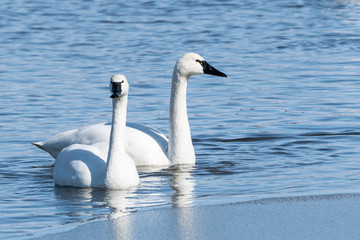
<point>119,86</point>
<point>191,64</point>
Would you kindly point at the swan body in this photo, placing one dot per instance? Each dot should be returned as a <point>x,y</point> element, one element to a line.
<point>144,144</point>
<point>103,164</point>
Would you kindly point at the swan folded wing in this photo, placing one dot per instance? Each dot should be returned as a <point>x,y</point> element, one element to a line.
<point>80,165</point>
<point>93,134</point>
<point>86,135</point>
<point>55,144</point>
<point>159,137</point>
<point>146,145</point>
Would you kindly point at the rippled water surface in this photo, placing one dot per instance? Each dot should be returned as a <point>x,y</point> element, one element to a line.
<point>285,122</point>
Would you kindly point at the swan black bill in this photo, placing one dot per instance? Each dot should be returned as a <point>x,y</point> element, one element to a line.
<point>208,69</point>
<point>115,89</point>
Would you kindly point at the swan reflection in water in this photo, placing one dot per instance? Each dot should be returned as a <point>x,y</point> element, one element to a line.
<point>183,184</point>
<point>80,203</point>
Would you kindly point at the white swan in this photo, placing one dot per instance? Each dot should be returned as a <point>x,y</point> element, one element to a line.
<point>144,144</point>
<point>101,164</point>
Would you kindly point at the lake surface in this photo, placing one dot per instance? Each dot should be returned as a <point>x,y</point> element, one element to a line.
<point>286,121</point>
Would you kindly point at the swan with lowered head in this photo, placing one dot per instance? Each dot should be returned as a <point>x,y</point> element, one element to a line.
<point>144,144</point>
<point>101,164</point>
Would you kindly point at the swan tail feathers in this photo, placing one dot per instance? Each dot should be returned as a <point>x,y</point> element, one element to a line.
<point>39,145</point>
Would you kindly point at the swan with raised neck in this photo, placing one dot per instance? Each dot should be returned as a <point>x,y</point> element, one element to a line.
<point>100,164</point>
<point>180,147</point>
<point>145,145</point>
<point>121,171</point>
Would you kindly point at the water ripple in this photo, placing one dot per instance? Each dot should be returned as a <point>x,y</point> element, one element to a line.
<point>284,122</point>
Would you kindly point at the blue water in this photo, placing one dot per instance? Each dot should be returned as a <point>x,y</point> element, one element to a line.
<point>286,121</point>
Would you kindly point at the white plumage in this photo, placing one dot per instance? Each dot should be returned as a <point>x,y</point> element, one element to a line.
<point>145,145</point>
<point>103,164</point>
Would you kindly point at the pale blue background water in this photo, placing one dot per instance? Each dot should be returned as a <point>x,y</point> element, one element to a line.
<point>285,122</point>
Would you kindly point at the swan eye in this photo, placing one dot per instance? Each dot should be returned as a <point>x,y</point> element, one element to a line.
<point>201,62</point>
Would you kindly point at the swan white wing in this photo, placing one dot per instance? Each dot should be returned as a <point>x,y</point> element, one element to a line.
<point>145,145</point>
<point>86,135</point>
<point>158,137</point>
<point>81,165</point>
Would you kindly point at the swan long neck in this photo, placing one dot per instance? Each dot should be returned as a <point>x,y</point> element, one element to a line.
<point>117,154</point>
<point>180,147</point>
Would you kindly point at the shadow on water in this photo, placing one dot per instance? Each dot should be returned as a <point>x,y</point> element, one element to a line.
<point>320,134</point>
<point>272,137</point>
<point>246,139</point>
<point>268,155</point>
